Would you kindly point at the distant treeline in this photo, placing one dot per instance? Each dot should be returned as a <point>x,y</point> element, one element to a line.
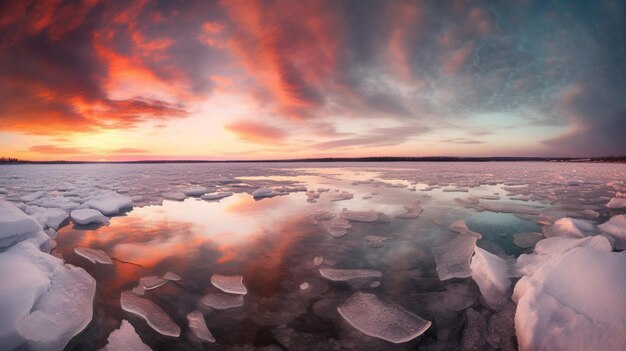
<point>608,159</point>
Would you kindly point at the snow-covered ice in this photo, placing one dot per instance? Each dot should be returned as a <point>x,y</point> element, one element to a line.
<point>195,191</point>
<point>616,229</point>
<point>577,228</point>
<point>174,195</point>
<point>229,284</point>
<point>153,314</point>
<point>373,317</point>
<point>88,216</point>
<point>618,202</point>
<point>110,203</point>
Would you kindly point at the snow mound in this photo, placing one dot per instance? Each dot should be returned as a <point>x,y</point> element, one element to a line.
<point>195,191</point>
<point>491,273</point>
<point>216,196</point>
<point>153,314</point>
<point>577,228</point>
<point>125,339</point>
<point>229,284</point>
<point>198,326</point>
<point>460,227</point>
<point>616,229</point>
<point>453,258</point>
<point>62,312</point>
<point>110,203</point>
<point>339,275</point>
<point>152,282</point>
<point>93,255</point>
<point>222,301</point>
<point>373,317</point>
<point>573,302</point>
<point>88,216</point>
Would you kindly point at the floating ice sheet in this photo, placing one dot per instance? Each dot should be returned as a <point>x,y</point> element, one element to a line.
<point>216,196</point>
<point>153,314</point>
<point>453,258</point>
<point>171,276</point>
<point>110,203</point>
<point>222,301</point>
<point>338,274</point>
<point>174,195</point>
<point>93,255</point>
<point>373,317</point>
<point>152,282</point>
<point>364,216</point>
<point>195,191</point>
<point>197,324</point>
<point>229,284</point>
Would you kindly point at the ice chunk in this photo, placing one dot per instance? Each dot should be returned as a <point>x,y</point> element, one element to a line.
<point>491,273</point>
<point>304,286</point>
<point>229,284</point>
<point>222,301</point>
<point>413,210</point>
<point>152,282</point>
<point>171,276</point>
<point>15,225</point>
<point>110,203</point>
<point>93,255</point>
<point>174,195</point>
<point>87,216</point>
<point>375,241</point>
<point>62,312</point>
<point>526,239</point>
<point>373,317</point>
<point>153,314</point>
<point>216,196</point>
<point>364,216</point>
<point>47,217</point>
<point>125,339</point>
<point>618,202</point>
<point>197,324</point>
<point>453,258</point>
<point>263,192</point>
<point>344,195</point>
<point>338,227</point>
<point>318,260</point>
<point>616,229</point>
<point>323,215</point>
<point>339,275</point>
<point>574,302</point>
<point>461,228</point>
<point>195,191</point>
<point>32,196</point>
<point>577,228</point>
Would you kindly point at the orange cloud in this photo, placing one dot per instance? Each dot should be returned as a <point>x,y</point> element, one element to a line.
<point>257,132</point>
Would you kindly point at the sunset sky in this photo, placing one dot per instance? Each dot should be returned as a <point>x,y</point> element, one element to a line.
<point>134,80</point>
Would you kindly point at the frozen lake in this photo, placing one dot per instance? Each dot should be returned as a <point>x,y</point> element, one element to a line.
<point>441,246</point>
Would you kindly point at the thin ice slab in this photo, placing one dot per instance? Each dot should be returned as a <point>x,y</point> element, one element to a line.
<point>222,301</point>
<point>153,314</point>
<point>198,326</point>
<point>453,258</point>
<point>373,317</point>
<point>152,282</point>
<point>229,284</point>
<point>93,255</point>
<point>125,338</point>
<point>340,275</point>
<point>88,216</point>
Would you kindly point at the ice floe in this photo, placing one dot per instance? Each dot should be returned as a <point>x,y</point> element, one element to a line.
<point>491,273</point>
<point>220,301</point>
<point>412,211</point>
<point>195,191</point>
<point>263,192</point>
<point>364,216</point>
<point>216,195</point>
<point>125,339</point>
<point>110,203</point>
<point>373,317</point>
<point>344,195</point>
<point>93,255</point>
<point>453,257</point>
<point>174,195</point>
<point>229,284</point>
<point>47,217</point>
<point>340,275</point>
<point>152,282</point>
<point>318,260</point>
<point>88,216</point>
<point>618,202</point>
<point>616,229</point>
<point>461,227</point>
<point>153,314</point>
<point>197,324</point>
<point>339,227</point>
<point>375,241</point>
<point>171,276</point>
<point>15,226</point>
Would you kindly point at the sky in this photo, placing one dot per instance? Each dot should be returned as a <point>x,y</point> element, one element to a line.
<point>217,80</point>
